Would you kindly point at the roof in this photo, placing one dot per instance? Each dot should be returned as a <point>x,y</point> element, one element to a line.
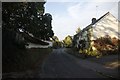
<point>90,25</point>
<point>101,17</point>
<point>34,40</point>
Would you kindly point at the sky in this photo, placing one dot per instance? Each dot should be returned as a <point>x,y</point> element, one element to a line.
<point>68,15</point>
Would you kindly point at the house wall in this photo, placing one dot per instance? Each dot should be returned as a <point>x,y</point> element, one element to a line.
<point>50,43</point>
<point>106,26</point>
<point>32,45</point>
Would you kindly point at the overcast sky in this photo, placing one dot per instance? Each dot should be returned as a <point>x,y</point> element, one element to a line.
<point>68,15</point>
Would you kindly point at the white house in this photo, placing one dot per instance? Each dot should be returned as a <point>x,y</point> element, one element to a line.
<point>106,25</point>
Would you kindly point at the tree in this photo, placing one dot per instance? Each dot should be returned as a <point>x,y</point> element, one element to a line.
<point>55,38</point>
<point>55,41</point>
<point>29,17</point>
<point>47,18</point>
<point>76,37</point>
<point>78,30</point>
<point>68,41</point>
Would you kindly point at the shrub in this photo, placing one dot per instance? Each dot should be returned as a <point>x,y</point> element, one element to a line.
<point>91,51</point>
<point>106,45</point>
<point>102,46</point>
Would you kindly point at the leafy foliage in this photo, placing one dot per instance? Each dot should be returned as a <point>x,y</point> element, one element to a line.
<point>91,51</point>
<point>55,38</point>
<point>102,46</point>
<point>68,41</point>
<point>76,37</point>
<point>29,17</point>
<point>106,45</point>
<point>56,42</point>
<point>78,30</point>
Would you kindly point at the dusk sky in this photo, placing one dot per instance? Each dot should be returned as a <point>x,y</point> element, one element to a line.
<point>68,15</point>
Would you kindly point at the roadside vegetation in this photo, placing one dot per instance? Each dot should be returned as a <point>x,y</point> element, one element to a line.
<point>102,46</point>
<point>23,60</point>
<point>56,42</point>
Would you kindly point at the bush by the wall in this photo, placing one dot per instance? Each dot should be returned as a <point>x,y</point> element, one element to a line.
<point>102,46</point>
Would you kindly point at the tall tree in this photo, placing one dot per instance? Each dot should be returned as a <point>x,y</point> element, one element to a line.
<point>29,17</point>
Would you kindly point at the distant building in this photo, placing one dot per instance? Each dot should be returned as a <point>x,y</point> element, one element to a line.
<point>26,39</point>
<point>106,26</point>
<point>34,42</point>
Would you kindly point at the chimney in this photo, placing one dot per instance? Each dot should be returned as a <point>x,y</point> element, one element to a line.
<point>93,20</point>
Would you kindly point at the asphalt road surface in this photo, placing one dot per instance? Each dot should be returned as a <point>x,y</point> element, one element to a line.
<point>60,64</point>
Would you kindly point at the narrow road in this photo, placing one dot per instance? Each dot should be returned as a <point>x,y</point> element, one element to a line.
<point>60,64</point>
